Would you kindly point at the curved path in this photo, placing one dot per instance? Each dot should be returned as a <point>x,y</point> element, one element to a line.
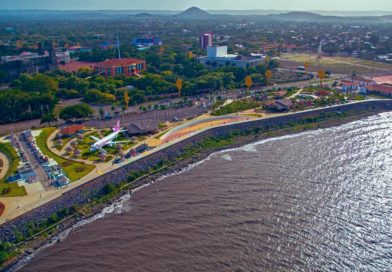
<point>201,123</point>
<point>4,165</point>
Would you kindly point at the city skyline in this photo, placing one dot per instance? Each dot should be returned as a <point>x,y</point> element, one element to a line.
<point>349,5</point>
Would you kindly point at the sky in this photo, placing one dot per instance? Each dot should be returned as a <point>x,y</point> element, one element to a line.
<point>342,5</point>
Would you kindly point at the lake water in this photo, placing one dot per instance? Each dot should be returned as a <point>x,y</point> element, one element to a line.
<point>315,201</point>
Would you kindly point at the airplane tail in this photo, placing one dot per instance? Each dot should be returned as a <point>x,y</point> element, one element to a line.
<point>117,127</point>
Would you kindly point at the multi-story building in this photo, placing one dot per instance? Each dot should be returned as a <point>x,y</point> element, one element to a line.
<point>147,41</point>
<point>206,40</point>
<point>28,62</point>
<point>124,66</point>
<point>217,56</point>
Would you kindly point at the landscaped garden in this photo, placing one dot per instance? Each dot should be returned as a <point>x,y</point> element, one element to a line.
<point>236,106</point>
<point>10,189</point>
<point>84,142</point>
<point>74,170</point>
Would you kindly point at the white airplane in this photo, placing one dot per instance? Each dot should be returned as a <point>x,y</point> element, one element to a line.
<point>108,140</point>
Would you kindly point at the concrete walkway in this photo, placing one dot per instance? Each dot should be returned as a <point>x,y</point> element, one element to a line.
<point>6,165</point>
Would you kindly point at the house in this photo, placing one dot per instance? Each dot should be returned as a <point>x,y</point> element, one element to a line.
<point>383,79</point>
<point>124,66</point>
<point>380,89</point>
<point>71,130</point>
<point>355,84</point>
<point>279,105</point>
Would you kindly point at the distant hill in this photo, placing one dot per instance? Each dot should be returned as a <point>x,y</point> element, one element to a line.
<point>300,15</point>
<point>143,14</point>
<point>194,13</point>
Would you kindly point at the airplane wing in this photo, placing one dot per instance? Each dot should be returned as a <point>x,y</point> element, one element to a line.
<point>102,150</point>
<point>95,138</point>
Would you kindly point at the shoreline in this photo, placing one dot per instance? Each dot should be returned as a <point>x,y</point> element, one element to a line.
<point>93,209</point>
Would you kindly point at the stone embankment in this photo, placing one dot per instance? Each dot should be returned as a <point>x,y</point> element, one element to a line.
<point>83,194</point>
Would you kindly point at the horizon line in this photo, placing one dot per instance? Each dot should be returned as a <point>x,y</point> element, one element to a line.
<point>325,10</point>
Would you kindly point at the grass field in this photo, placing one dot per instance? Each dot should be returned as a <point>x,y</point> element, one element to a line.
<point>73,169</point>
<point>335,64</point>
<point>85,145</point>
<point>10,189</point>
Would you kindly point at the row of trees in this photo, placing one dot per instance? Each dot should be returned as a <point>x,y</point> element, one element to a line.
<point>17,105</point>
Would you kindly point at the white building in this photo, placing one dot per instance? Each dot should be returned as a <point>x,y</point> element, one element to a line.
<point>217,56</point>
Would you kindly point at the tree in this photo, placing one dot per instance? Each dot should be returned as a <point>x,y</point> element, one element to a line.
<point>96,96</point>
<point>179,86</point>
<point>16,105</point>
<point>39,83</point>
<point>306,65</point>
<point>48,118</point>
<point>78,111</point>
<point>102,113</point>
<point>321,74</point>
<point>248,82</point>
<point>268,76</point>
<point>126,99</point>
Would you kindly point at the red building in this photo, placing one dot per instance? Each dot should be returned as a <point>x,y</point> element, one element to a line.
<point>71,130</point>
<point>380,89</point>
<point>125,66</point>
<point>206,40</point>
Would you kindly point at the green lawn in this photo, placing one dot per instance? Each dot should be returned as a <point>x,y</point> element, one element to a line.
<point>73,169</point>
<point>85,145</point>
<point>337,64</point>
<point>10,189</point>
<point>236,106</point>
<point>64,142</point>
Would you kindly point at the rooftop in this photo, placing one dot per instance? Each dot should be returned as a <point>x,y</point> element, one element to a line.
<point>383,79</point>
<point>382,88</point>
<point>119,62</point>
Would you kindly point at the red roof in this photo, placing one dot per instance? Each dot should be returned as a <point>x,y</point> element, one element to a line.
<point>362,79</point>
<point>381,88</point>
<point>74,66</point>
<point>383,79</point>
<point>119,62</point>
<point>323,93</point>
<point>71,129</point>
<point>349,83</point>
<point>281,93</point>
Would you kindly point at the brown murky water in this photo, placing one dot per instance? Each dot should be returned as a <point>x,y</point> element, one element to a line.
<point>317,201</point>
